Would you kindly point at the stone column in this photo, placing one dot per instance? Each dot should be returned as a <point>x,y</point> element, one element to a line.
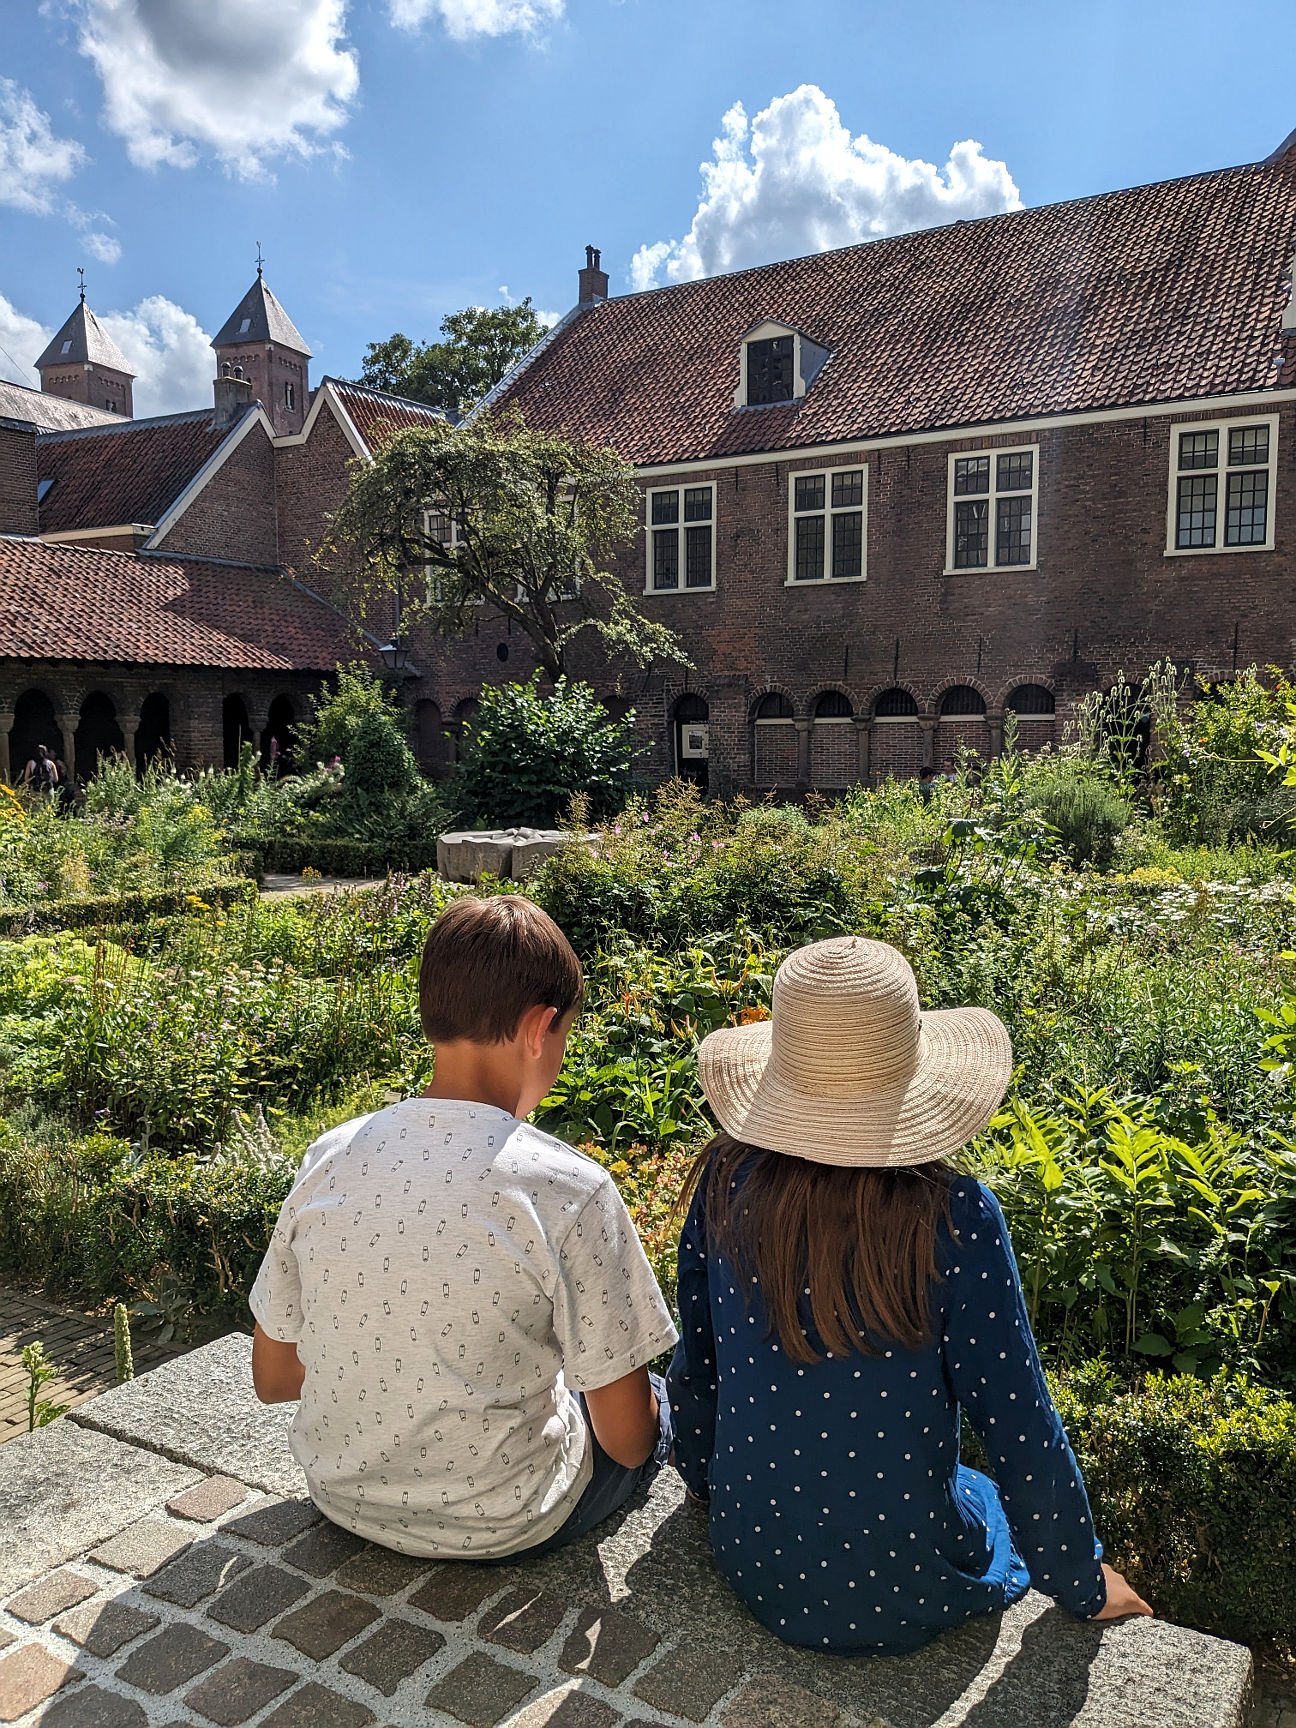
<point>927,725</point>
<point>995,721</point>
<point>67,734</point>
<point>129,724</point>
<point>863,748</point>
<point>6,727</point>
<point>803,753</point>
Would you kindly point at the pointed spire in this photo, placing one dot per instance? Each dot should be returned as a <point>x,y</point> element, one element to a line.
<point>260,261</point>
<point>83,340</point>
<point>259,317</point>
<point>81,274</point>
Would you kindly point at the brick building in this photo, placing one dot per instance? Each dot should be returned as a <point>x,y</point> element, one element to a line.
<point>890,493</point>
<point>893,491</point>
<point>155,574</point>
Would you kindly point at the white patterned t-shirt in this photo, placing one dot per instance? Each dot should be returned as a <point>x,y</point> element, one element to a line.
<point>452,1278</point>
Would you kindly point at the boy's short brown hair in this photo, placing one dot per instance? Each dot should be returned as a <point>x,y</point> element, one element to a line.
<point>485,962</point>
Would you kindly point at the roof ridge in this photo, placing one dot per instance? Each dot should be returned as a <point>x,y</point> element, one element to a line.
<point>935,228</point>
<point>125,424</point>
<point>386,395</point>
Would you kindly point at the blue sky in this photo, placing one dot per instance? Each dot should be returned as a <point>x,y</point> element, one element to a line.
<point>401,158</point>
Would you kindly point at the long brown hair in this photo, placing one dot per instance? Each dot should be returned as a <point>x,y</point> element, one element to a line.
<point>861,1241</point>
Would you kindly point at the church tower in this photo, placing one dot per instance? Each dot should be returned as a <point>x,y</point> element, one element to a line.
<point>260,342</point>
<point>84,364</point>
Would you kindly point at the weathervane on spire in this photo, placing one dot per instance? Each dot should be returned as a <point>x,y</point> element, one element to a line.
<point>260,259</point>
<point>81,274</point>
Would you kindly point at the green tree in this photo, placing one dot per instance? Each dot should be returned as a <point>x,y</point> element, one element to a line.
<point>492,520</point>
<point>526,755</point>
<point>477,348</point>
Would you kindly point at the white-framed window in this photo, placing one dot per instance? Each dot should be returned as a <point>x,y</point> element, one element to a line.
<point>439,525</point>
<point>1222,475</point>
<point>992,514</point>
<point>828,525</point>
<point>681,539</point>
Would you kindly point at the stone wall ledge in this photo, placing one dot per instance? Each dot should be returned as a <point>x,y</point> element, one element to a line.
<point>159,1562</point>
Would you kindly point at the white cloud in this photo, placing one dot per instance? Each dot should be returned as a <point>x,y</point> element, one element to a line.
<point>248,79</point>
<point>102,246</point>
<point>32,160</point>
<point>795,181</point>
<point>99,245</point>
<point>167,349</point>
<point>463,19</point>
<point>170,353</point>
<point>24,338</point>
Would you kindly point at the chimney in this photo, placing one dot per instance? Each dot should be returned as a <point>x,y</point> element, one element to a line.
<point>593,281</point>
<point>233,393</point>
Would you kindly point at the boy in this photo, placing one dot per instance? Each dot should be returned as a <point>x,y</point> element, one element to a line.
<point>444,1280</point>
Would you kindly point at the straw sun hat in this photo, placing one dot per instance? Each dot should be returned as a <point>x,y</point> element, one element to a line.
<point>849,1071</point>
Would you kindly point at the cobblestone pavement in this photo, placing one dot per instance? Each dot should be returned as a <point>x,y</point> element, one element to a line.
<point>80,1346</point>
<point>161,1568</point>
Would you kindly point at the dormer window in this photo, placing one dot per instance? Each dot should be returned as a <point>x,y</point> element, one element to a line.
<point>245,326</point>
<point>66,348</point>
<point>769,370</point>
<point>778,364</point>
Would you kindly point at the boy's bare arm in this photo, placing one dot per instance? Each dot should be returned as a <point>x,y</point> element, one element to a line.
<point>277,1372</point>
<point>624,1418</point>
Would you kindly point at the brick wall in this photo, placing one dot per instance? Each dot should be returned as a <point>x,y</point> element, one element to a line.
<point>1104,597</point>
<point>17,480</point>
<point>233,517</point>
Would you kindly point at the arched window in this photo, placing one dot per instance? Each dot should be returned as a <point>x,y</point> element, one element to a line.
<point>832,705</point>
<point>1031,699</point>
<point>773,707</point>
<point>895,704</point>
<point>277,742</point>
<point>97,735</point>
<point>693,738</point>
<point>960,702</point>
<point>34,723</point>
<point>429,737</point>
<point>153,740</point>
<point>235,729</point>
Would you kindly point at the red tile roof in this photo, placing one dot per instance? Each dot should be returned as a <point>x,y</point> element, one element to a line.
<point>127,472</point>
<point>376,415</point>
<point>72,603</point>
<point>1159,293</point>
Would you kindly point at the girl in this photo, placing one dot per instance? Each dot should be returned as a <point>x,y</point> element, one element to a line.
<point>843,1294</point>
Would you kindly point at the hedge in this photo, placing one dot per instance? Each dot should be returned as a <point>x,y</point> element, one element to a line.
<point>107,909</point>
<point>337,857</point>
<point>1193,1488</point>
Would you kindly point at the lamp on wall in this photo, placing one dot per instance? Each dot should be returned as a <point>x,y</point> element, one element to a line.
<point>395,654</point>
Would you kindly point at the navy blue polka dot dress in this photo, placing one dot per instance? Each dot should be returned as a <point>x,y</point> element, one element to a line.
<point>840,1513</point>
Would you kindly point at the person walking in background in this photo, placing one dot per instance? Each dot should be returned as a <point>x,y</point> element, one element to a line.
<point>41,772</point>
<point>949,771</point>
<point>926,784</point>
<point>844,1294</point>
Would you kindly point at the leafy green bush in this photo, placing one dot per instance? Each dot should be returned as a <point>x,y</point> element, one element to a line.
<point>118,909</point>
<point>1089,816</point>
<point>1193,1487</point>
<point>526,756</point>
<point>338,713</point>
<point>290,855</point>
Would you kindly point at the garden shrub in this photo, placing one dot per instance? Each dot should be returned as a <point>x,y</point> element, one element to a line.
<point>1089,816</point>
<point>117,909</point>
<point>526,756</point>
<point>1193,1488</point>
<point>337,714</point>
<point>288,855</point>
